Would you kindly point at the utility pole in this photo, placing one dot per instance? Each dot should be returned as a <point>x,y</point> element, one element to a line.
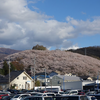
<point>34,73</point>
<point>45,79</point>
<point>31,71</point>
<point>9,72</point>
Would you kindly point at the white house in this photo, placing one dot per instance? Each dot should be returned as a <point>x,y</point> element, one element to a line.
<point>20,79</point>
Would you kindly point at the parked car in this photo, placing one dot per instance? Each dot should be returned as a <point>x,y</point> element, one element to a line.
<point>39,98</point>
<point>81,93</point>
<point>32,93</point>
<point>73,92</point>
<point>71,97</point>
<point>7,97</point>
<point>91,93</point>
<point>2,95</point>
<point>94,96</point>
<point>20,96</point>
<point>46,94</point>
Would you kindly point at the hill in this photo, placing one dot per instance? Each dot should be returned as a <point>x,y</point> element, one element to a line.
<point>60,61</point>
<point>89,51</point>
<point>6,51</point>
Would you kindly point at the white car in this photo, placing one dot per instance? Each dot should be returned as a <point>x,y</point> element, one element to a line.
<point>46,94</point>
<point>20,96</point>
<point>32,93</point>
<point>39,98</point>
<point>71,97</point>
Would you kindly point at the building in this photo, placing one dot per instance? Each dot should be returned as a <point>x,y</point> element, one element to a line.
<point>19,79</point>
<point>42,77</point>
<point>66,82</point>
<point>3,82</point>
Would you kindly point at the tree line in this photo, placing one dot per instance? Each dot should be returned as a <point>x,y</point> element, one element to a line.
<point>14,65</point>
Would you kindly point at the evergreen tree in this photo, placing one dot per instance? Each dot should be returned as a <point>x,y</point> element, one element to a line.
<point>37,83</point>
<point>39,47</point>
<point>5,69</point>
<point>12,67</point>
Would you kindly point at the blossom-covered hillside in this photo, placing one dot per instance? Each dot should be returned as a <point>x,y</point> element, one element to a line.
<point>57,60</point>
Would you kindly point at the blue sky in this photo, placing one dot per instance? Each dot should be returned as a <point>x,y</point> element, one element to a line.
<point>55,24</point>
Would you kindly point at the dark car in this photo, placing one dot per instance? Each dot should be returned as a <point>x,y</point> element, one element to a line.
<point>7,97</point>
<point>2,95</point>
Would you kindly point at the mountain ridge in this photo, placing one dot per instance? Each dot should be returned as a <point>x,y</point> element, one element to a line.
<point>57,60</point>
<point>6,51</point>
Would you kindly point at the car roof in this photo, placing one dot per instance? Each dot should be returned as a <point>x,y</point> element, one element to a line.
<point>73,95</point>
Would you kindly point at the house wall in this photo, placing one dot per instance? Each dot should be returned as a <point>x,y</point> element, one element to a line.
<point>22,82</point>
<point>57,81</point>
<point>72,85</point>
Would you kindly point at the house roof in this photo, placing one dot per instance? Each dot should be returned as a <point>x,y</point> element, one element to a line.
<point>69,78</point>
<point>3,80</point>
<point>84,77</point>
<point>2,75</point>
<point>43,76</point>
<point>13,75</point>
<point>52,73</point>
<point>42,73</point>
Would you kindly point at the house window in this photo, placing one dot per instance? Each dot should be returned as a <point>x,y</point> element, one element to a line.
<point>17,77</point>
<point>24,78</point>
<point>59,82</point>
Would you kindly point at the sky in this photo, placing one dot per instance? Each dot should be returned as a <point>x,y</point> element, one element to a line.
<point>55,24</point>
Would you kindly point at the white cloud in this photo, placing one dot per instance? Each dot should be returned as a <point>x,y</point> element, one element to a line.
<point>74,47</point>
<point>21,28</point>
<point>83,13</point>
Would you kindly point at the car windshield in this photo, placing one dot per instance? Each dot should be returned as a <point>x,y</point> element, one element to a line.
<point>33,94</point>
<point>38,94</point>
<point>66,98</point>
<point>50,95</point>
<point>48,98</point>
<point>62,92</point>
<point>52,89</point>
<point>16,96</point>
<point>67,92</point>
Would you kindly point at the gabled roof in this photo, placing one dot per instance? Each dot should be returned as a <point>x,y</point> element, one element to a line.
<point>2,79</point>
<point>43,76</point>
<point>42,73</point>
<point>13,75</point>
<point>84,77</point>
<point>69,78</point>
<point>52,73</point>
